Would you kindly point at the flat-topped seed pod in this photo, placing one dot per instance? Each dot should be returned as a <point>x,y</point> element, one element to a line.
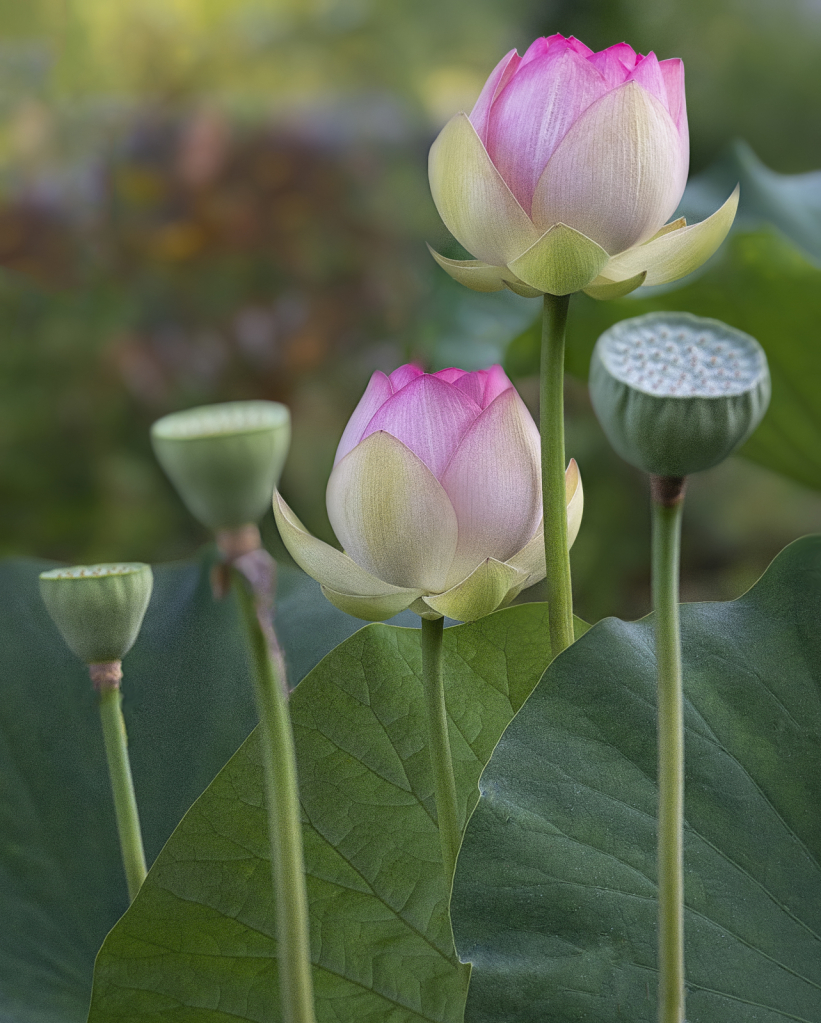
<point>225,460</point>
<point>677,393</point>
<point>98,609</point>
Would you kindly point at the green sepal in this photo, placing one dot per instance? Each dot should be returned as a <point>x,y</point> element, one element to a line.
<point>603,289</point>
<point>561,262</point>
<point>98,608</point>
<point>376,608</point>
<point>484,590</point>
<point>225,460</point>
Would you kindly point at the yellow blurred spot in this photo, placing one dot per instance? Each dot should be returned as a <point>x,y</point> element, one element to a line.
<point>448,90</point>
<point>179,241</point>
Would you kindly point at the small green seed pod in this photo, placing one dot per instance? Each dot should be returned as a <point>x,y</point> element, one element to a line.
<point>677,393</point>
<point>225,460</point>
<point>98,608</point>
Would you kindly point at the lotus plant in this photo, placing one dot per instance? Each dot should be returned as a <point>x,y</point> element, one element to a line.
<point>566,171</point>
<point>436,497</point>
<point>562,179</point>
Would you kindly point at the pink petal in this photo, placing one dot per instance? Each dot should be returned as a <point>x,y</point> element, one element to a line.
<point>611,66</point>
<point>648,75</point>
<point>540,46</point>
<point>672,71</point>
<point>499,77</point>
<point>451,374</point>
<point>535,111</point>
<point>577,46</point>
<point>473,385</point>
<point>497,383</point>
<point>376,394</point>
<point>402,376</point>
<point>430,417</point>
<point>494,484</point>
<point>624,52</point>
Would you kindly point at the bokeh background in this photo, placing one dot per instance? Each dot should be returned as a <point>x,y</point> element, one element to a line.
<point>203,200</point>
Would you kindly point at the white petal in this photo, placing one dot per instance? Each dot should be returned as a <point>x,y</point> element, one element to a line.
<point>324,563</point>
<point>392,515</point>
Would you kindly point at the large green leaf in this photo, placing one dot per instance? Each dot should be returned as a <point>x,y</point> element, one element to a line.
<point>762,285</point>
<point>791,202</point>
<point>188,705</point>
<point>198,943</point>
<point>555,893</point>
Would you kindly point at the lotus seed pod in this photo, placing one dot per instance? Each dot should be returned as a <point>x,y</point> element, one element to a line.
<point>677,393</point>
<point>98,608</point>
<point>225,460</point>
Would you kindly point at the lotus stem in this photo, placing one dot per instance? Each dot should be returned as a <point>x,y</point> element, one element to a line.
<point>668,502</point>
<point>447,809</point>
<point>554,501</point>
<point>106,678</point>
<point>284,818</point>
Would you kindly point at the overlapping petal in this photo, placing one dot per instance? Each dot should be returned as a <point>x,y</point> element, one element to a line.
<point>496,518</point>
<point>535,111</point>
<point>382,500</point>
<point>326,564</point>
<point>616,177</point>
<point>483,591</point>
<point>499,77</point>
<point>474,201</point>
<point>377,392</point>
<point>675,254</point>
<point>560,262</point>
<point>429,416</point>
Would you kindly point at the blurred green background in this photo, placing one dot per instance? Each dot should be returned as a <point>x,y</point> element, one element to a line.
<point>203,200</point>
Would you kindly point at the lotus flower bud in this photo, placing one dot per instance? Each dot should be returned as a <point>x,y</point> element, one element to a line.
<point>435,496</point>
<point>565,173</point>
<point>225,460</point>
<point>98,609</point>
<point>677,393</point>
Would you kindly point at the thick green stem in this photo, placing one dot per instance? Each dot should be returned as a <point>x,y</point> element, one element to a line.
<point>284,819</point>
<point>122,788</point>
<point>447,809</point>
<point>668,495</point>
<point>551,417</point>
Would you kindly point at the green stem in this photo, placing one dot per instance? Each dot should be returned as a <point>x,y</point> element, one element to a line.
<point>284,819</point>
<point>551,416</point>
<point>122,788</point>
<point>447,809</point>
<point>668,495</point>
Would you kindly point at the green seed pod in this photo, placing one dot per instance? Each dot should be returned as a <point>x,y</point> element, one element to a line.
<point>98,608</point>
<point>225,460</point>
<point>677,393</point>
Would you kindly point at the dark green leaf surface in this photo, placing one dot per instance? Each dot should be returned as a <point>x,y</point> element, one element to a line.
<point>188,705</point>
<point>555,892</point>
<point>198,942</point>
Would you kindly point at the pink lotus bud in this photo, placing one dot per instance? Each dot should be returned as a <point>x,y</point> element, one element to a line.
<point>436,497</point>
<point>566,171</point>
